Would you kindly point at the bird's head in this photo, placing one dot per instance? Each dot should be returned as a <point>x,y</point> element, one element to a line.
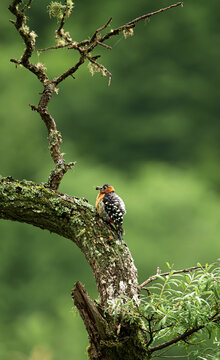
<point>105,189</point>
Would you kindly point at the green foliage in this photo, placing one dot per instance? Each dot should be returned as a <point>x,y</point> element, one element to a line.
<point>182,302</point>
<point>186,305</point>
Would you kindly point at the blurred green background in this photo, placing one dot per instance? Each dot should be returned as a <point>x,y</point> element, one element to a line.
<point>153,134</point>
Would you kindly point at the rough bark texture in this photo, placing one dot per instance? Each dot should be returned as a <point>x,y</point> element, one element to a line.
<point>108,256</point>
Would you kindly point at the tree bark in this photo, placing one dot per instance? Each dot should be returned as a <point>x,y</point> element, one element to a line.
<point>108,256</point>
<point>109,340</point>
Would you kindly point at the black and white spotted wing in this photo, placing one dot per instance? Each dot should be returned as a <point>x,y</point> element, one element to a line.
<point>114,207</point>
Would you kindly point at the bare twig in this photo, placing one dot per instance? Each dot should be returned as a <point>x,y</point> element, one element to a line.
<point>84,48</point>
<point>101,67</point>
<point>70,71</point>
<point>132,23</point>
<point>87,46</point>
<point>104,45</point>
<point>94,36</point>
<point>155,277</point>
<point>155,13</point>
<point>53,48</point>
<point>27,5</point>
<point>62,22</point>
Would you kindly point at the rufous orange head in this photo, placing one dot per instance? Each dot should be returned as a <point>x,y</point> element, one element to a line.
<point>105,189</point>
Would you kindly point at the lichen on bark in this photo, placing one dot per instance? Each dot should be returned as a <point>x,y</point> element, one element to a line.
<point>108,256</point>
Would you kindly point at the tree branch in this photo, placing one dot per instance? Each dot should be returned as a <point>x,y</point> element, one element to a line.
<point>100,67</point>
<point>70,71</point>
<point>26,6</point>
<point>87,46</point>
<point>75,219</point>
<point>155,277</point>
<point>29,38</point>
<point>132,23</point>
<point>94,36</point>
<point>84,47</point>
<point>143,17</point>
<point>108,257</point>
<point>54,136</point>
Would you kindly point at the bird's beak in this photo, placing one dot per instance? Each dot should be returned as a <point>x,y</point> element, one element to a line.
<point>98,187</point>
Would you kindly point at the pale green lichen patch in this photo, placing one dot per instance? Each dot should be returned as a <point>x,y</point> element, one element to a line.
<point>54,201</point>
<point>80,233</point>
<point>14,190</point>
<point>85,204</point>
<point>76,220</point>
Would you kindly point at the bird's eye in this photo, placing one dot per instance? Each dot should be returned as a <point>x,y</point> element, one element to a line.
<point>105,187</point>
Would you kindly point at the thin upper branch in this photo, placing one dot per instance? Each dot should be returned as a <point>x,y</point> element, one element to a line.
<point>29,38</point>
<point>60,32</point>
<point>85,49</point>
<point>105,72</point>
<point>99,30</point>
<point>54,136</point>
<point>155,277</point>
<point>132,23</point>
<point>70,71</point>
<point>87,46</point>
<point>26,6</point>
<point>143,17</point>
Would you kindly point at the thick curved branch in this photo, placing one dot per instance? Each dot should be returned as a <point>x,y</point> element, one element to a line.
<point>75,219</point>
<point>108,256</point>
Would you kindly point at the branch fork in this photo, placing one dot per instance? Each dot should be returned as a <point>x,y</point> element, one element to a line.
<point>84,48</point>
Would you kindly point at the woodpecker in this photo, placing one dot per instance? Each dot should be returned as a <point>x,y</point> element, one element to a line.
<point>110,207</point>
